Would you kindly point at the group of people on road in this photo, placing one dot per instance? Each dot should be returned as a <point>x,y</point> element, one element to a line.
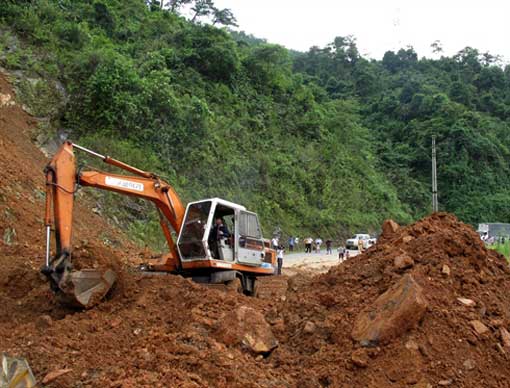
<point>310,245</point>
<point>316,245</point>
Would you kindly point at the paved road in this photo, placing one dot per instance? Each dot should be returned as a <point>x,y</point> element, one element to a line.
<point>314,262</point>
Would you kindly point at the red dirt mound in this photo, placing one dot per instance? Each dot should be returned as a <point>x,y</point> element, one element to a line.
<point>445,346</point>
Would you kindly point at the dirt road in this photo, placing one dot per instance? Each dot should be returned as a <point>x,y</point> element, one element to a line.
<point>311,262</point>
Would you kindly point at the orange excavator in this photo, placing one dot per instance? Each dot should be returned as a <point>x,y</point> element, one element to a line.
<point>217,241</point>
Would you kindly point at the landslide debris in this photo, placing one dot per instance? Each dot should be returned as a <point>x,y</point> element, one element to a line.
<point>394,317</point>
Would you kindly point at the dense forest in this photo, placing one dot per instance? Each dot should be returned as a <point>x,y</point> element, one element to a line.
<point>325,141</point>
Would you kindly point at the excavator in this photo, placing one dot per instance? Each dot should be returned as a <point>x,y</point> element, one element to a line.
<point>238,253</point>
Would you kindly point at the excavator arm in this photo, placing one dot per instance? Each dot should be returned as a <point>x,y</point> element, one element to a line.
<point>86,287</point>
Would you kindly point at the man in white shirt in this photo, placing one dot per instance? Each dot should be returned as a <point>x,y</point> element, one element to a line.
<point>318,242</point>
<point>279,257</point>
<point>274,243</point>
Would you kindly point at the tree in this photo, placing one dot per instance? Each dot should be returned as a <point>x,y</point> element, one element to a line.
<point>103,17</point>
<point>224,17</point>
<point>202,8</point>
<point>174,5</point>
<point>437,47</point>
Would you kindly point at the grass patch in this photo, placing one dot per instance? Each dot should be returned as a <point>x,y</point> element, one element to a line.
<point>503,248</point>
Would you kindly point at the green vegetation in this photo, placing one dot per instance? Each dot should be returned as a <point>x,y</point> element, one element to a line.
<point>503,248</point>
<point>324,141</point>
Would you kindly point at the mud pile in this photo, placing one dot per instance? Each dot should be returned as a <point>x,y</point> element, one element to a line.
<point>455,334</point>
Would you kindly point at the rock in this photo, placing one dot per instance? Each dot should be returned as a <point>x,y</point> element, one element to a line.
<point>479,327</point>
<point>309,327</point>
<point>393,313</point>
<point>445,270</point>
<point>467,302</point>
<point>53,375</point>
<point>497,322</point>
<point>403,261</point>
<point>411,345</point>
<point>9,236</point>
<point>116,322</point>
<point>423,384</point>
<point>6,100</point>
<point>248,328</point>
<point>43,322</point>
<point>505,337</point>
<point>296,282</point>
<point>360,358</point>
<point>407,239</point>
<point>469,364</point>
<point>389,228</point>
<point>444,383</point>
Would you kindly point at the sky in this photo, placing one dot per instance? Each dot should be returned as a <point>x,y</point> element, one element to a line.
<point>378,26</point>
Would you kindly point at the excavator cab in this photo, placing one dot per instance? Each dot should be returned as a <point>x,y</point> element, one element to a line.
<point>242,242</point>
<point>238,252</point>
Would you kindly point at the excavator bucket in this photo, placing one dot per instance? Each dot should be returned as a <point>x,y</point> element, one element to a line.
<point>85,288</point>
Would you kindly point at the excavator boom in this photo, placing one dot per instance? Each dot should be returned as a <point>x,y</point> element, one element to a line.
<point>86,288</point>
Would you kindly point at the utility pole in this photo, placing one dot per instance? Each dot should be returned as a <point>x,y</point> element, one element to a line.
<point>434,176</point>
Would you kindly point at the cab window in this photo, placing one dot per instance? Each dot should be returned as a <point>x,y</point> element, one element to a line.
<point>194,227</point>
<point>250,235</point>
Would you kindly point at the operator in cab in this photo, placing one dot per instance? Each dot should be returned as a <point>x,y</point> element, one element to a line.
<point>218,233</point>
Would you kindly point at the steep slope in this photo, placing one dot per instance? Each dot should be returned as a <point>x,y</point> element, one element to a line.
<point>216,116</point>
<point>160,331</point>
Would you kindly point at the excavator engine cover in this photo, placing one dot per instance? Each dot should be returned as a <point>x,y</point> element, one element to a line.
<point>85,288</point>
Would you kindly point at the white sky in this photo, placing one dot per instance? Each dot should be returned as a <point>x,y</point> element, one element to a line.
<point>378,25</point>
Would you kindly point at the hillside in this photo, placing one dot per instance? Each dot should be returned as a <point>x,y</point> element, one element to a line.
<point>324,142</point>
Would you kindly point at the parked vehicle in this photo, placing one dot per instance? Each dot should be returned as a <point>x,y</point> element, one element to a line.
<point>368,241</point>
<point>493,231</point>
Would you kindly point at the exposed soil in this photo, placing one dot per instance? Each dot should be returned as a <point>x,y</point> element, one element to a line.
<point>443,350</point>
<point>166,331</point>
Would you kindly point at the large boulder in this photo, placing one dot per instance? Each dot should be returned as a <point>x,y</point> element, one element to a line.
<point>403,261</point>
<point>393,313</point>
<point>247,328</point>
<point>389,228</point>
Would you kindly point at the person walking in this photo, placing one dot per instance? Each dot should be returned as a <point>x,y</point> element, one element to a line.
<point>279,257</point>
<point>341,253</point>
<point>329,243</point>
<point>308,245</point>
<point>360,245</point>
<point>318,243</point>
<point>291,244</point>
